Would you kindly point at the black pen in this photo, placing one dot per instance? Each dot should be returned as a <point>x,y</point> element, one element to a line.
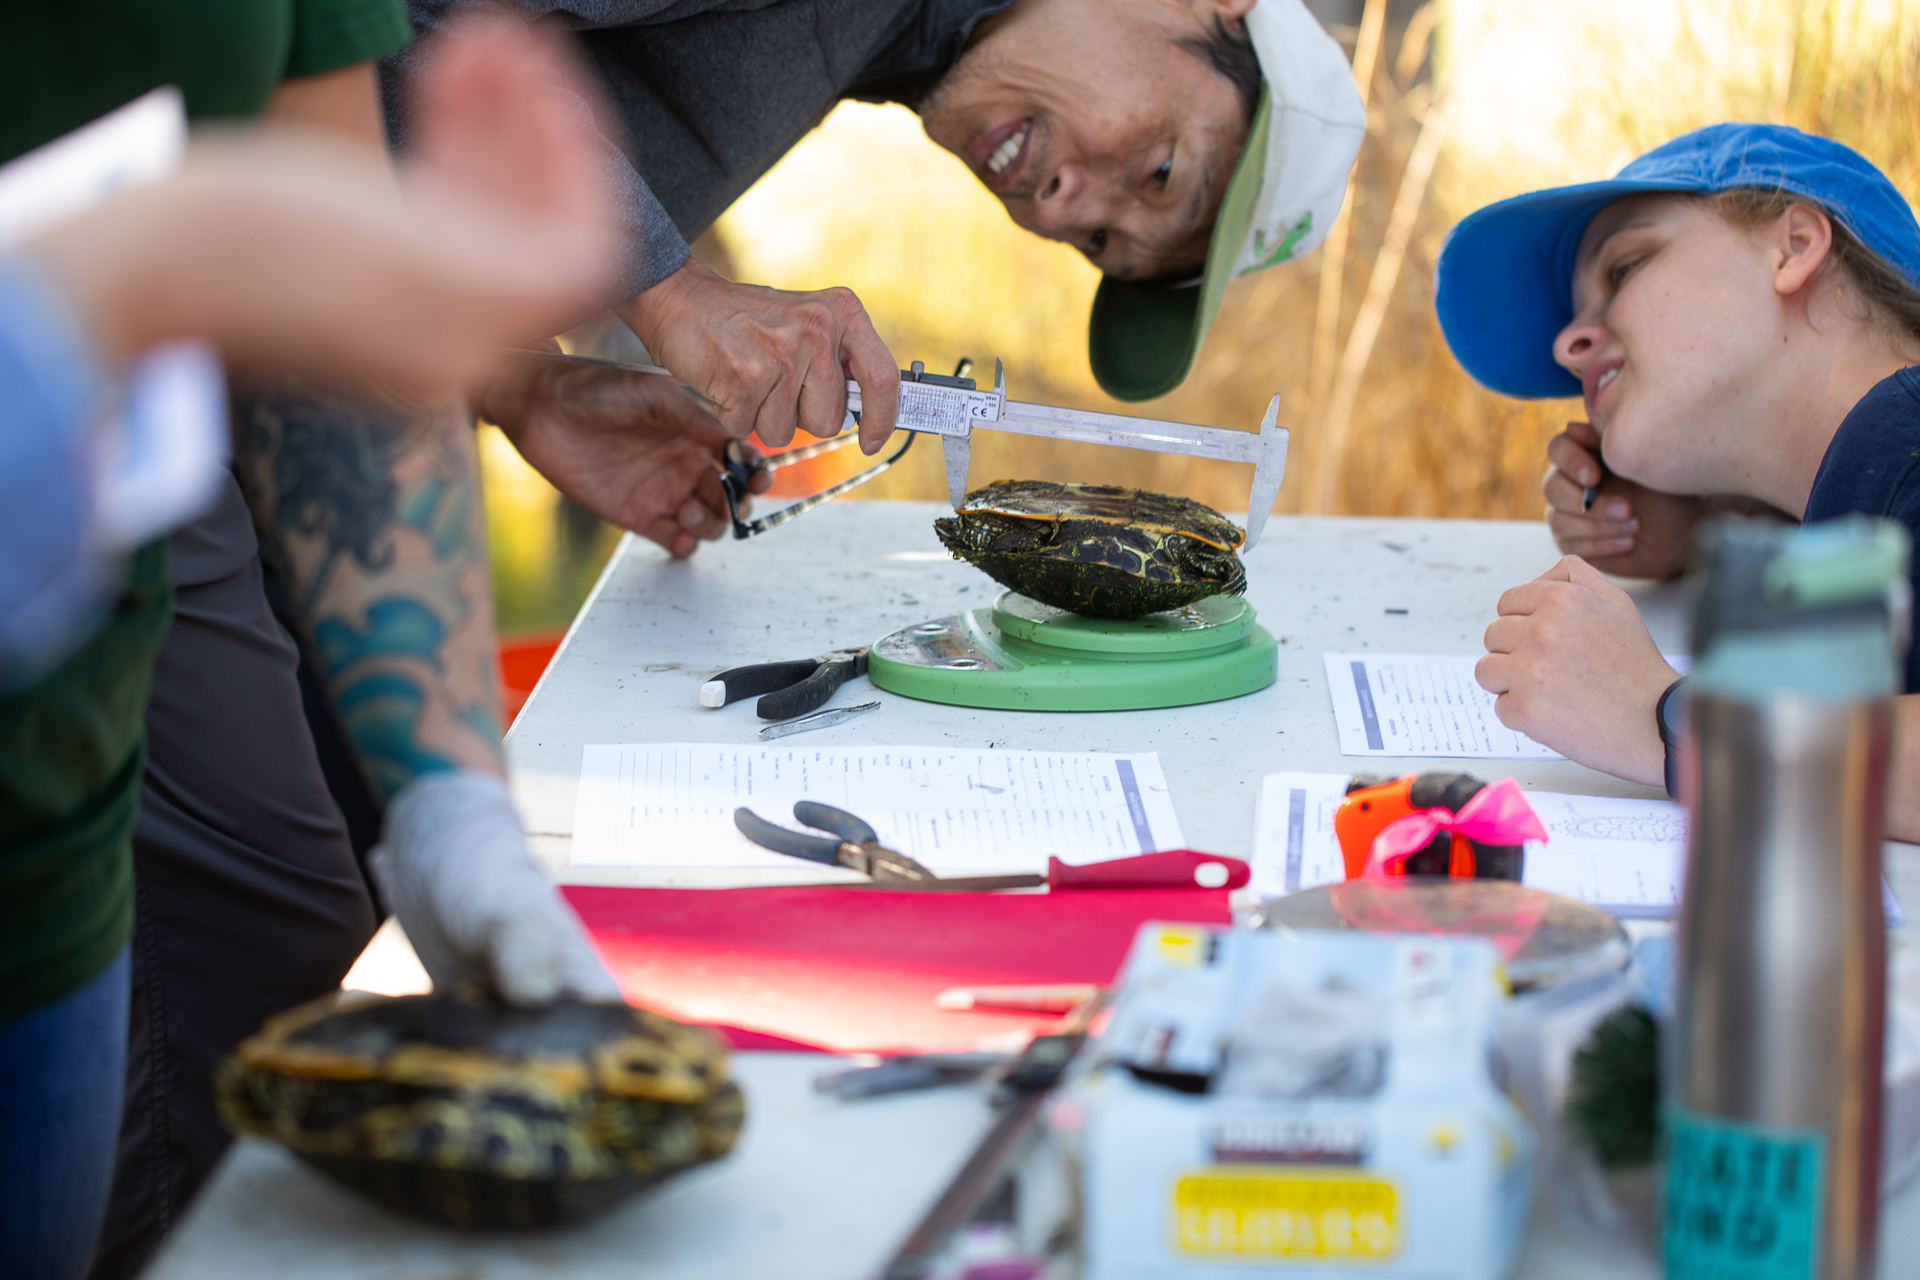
<point>1591,494</point>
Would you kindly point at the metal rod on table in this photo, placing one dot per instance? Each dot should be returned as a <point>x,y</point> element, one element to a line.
<point>1030,1079</point>
<point>915,1257</point>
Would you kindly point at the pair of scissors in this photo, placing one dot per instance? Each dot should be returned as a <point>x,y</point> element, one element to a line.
<point>790,688</point>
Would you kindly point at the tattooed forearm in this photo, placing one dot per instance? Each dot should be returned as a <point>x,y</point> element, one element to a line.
<point>372,517</point>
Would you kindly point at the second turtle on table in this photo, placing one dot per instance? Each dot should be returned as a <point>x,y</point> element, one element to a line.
<point>474,1114</point>
<point>1098,550</point>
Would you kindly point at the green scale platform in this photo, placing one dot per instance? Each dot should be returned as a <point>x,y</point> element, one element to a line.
<point>1021,655</point>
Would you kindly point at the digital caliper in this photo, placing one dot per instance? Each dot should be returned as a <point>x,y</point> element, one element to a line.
<point>953,407</point>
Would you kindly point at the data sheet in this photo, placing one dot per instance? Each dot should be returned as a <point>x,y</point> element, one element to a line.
<point>960,811</point>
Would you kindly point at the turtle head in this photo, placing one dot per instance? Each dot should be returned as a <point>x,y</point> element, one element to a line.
<point>972,534</point>
<point>1200,559</point>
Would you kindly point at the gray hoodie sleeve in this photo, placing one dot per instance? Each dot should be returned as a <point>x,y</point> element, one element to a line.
<point>652,248</point>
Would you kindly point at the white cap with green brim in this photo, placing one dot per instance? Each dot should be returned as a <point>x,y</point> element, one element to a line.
<point>1284,195</point>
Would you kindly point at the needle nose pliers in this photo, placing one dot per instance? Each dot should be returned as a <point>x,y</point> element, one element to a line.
<point>853,844</point>
<point>791,688</point>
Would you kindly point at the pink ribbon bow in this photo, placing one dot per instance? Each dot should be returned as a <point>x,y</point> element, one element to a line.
<point>1498,814</point>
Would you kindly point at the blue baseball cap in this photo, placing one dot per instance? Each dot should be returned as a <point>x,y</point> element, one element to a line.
<point>1504,282</point>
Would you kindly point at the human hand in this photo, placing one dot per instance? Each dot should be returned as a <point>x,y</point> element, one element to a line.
<point>1632,531</point>
<point>1574,667</point>
<point>636,449</point>
<point>769,360</point>
<point>297,251</point>
<point>453,864</point>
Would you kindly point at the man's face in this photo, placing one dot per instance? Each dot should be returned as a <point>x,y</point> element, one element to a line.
<point>1096,124</point>
<point>1676,326</point>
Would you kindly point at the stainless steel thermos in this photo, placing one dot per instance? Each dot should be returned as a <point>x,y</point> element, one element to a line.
<point>1774,1064</point>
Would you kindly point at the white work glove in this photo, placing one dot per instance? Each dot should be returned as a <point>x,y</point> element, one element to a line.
<point>454,866</point>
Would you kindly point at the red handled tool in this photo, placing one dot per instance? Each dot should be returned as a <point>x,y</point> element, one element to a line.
<point>1168,869</point>
<point>856,846</point>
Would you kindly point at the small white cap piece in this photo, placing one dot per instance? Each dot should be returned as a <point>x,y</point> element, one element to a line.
<point>1210,875</point>
<point>713,693</point>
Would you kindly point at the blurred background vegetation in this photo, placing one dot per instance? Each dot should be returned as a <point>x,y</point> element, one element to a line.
<point>1468,101</point>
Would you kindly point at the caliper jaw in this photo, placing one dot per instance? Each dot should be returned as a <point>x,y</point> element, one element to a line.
<point>947,407</point>
<point>957,446</point>
<point>1269,470</point>
<point>957,449</point>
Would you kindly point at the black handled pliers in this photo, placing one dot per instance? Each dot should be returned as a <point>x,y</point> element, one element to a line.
<point>853,844</point>
<point>791,688</point>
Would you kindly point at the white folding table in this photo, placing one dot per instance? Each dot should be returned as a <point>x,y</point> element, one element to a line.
<point>823,1189</point>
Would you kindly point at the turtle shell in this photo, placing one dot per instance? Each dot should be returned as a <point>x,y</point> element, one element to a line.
<point>1098,550</point>
<point>476,1114</point>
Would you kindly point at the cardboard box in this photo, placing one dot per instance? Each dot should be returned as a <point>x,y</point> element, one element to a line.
<point>1350,1124</point>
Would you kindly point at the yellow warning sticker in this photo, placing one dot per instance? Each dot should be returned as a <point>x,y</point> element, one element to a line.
<point>1274,1212</point>
<point>1184,948</point>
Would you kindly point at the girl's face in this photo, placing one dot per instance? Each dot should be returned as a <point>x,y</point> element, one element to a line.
<point>1675,325</point>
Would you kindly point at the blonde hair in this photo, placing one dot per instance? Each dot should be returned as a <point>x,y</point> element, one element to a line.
<point>1890,299</point>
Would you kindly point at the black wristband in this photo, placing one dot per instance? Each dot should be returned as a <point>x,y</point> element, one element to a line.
<point>1666,719</point>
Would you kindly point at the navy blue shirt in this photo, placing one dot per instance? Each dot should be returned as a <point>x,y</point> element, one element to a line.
<point>1873,468</point>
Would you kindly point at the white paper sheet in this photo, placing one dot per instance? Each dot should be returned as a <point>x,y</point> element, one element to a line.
<point>959,811</point>
<point>1420,704</point>
<point>1425,704</point>
<point>1293,843</point>
<point>1628,856</point>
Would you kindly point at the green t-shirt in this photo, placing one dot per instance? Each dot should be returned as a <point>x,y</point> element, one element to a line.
<point>73,745</point>
<point>71,752</point>
<point>63,64</point>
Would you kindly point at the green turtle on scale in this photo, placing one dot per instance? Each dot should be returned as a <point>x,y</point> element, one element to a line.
<point>1117,600</point>
<point>1097,550</point>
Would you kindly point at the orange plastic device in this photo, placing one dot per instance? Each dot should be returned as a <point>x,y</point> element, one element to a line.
<point>1366,812</point>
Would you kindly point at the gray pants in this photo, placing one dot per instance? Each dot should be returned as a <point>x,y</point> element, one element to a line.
<point>249,899</point>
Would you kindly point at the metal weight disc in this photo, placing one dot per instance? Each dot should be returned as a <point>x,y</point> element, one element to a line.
<point>1546,939</point>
